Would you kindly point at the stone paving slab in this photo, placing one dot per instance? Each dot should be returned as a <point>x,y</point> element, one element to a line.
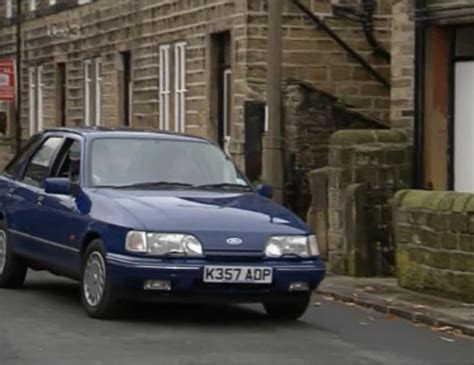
<point>384,295</point>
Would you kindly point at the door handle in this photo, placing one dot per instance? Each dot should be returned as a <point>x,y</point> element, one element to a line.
<point>40,199</point>
<point>11,191</point>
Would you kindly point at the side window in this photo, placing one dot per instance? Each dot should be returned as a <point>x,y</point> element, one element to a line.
<point>68,163</point>
<point>13,168</point>
<point>38,167</point>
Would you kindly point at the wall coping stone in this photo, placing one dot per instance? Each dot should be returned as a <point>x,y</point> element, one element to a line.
<point>354,136</point>
<point>435,200</point>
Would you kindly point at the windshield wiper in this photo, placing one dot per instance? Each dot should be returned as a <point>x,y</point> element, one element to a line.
<point>223,186</point>
<point>153,184</point>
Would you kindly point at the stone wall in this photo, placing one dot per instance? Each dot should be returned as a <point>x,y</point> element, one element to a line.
<point>311,116</point>
<point>403,65</point>
<point>380,161</point>
<point>69,34</point>
<point>434,234</point>
<point>310,55</point>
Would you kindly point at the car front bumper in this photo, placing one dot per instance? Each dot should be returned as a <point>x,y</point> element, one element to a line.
<point>128,274</point>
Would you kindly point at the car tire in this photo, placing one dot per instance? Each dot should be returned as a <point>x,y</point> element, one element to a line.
<point>290,309</point>
<point>12,268</point>
<point>96,293</point>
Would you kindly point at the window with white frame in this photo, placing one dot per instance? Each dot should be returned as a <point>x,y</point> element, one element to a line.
<point>164,86</point>
<point>52,2</point>
<point>35,78</point>
<point>93,92</point>
<point>32,5</point>
<point>180,87</point>
<point>81,2</point>
<point>9,9</point>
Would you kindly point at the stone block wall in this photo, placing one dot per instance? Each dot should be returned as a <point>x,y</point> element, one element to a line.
<point>380,160</point>
<point>310,55</point>
<point>403,65</point>
<point>434,235</point>
<point>310,117</point>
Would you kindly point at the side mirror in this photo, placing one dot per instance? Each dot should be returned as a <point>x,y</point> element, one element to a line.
<point>58,186</point>
<point>265,190</point>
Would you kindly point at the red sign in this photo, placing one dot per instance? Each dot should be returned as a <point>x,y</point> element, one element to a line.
<point>7,80</point>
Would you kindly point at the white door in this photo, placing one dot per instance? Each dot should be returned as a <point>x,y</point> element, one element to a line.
<point>464,127</point>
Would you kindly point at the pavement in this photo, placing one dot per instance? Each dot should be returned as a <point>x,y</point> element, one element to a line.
<point>384,295</point>
<point>45,324</point>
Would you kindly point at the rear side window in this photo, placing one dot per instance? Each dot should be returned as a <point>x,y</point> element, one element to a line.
<point>38,167</point>
<point>13,168</point>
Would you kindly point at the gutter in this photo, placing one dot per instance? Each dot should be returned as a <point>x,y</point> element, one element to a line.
<point>419,96</point>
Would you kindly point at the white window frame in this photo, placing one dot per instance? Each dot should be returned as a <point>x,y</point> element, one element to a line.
<point>39,90</point>
<point>164,91</point>
<point>87,92</point>
<point>32,5</point>
<point>32,98</point>
<point>35,81</point>
<point>98,90</point>
<point>82,2</point>
<point>9,9</point>
<point>180,87</point>
<point>52,2</point>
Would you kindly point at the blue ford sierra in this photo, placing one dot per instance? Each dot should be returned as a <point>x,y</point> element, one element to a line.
<point>142,215</point>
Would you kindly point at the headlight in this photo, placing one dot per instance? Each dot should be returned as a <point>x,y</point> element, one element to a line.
<point>302,246</point>
<point>162,244</point>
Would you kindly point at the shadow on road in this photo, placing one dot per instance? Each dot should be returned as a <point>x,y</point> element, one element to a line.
<point>63,293</point>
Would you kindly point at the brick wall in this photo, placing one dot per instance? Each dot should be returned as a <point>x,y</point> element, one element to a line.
<point>434,233</point>
<point>379,159</point>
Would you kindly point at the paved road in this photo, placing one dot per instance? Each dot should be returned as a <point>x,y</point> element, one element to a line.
<point>44,324</point>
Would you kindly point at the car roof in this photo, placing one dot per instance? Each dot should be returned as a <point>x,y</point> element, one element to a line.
<point>125,132</point>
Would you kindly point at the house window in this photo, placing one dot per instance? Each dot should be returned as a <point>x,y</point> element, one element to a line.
<point>180,87</point>
<point>52,2</point>
<point>93,92</point>
<point>164,86</point>
<point>32,5</point>
<point>81,2</point>
<point>35,78</point>
<point>9,9</point>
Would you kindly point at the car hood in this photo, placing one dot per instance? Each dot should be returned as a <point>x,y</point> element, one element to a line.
<point>213,217</point>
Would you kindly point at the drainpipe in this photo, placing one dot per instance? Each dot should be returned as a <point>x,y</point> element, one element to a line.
<point>419,93</point>
<point>272,140</point>
<point>367,18</point>
<point>18,77</point>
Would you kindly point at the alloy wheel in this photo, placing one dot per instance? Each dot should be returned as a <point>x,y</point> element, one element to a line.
<point>3,251</point>
<point>94,279</point>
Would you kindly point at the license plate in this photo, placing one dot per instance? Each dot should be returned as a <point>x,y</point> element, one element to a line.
<point>237,274</point>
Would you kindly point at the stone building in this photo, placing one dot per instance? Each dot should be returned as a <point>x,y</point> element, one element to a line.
<point>194,66</point>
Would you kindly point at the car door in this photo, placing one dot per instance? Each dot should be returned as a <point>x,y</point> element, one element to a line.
<point>24,223</point>
<point>61,221</point>
<point>9,177</point>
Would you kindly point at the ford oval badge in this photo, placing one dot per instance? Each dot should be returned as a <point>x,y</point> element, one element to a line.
<point>234,241</point>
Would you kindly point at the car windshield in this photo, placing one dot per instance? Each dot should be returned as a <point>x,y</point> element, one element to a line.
<point>158,163</point>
